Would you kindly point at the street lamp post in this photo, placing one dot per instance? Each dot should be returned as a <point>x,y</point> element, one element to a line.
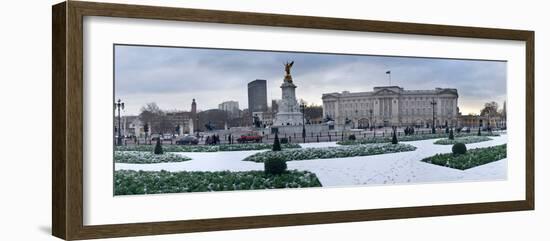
<point>197,126</point>
<point>303,106</point>
<point>371,122</point>
<point>356,117</point>
<point>119,105</point>
<point>433,103</point>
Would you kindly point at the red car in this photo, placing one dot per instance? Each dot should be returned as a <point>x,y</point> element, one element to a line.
<point>249,138</point>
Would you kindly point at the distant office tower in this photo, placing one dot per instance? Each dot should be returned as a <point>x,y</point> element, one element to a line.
<point>257,96</point>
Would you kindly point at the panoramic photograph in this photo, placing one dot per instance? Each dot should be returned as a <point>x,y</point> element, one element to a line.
<point>191,119</point>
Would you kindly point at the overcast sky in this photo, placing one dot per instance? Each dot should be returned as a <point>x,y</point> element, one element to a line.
<point>172,77</point>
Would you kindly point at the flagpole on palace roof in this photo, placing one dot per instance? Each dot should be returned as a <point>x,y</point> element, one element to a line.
<point>389,75</point>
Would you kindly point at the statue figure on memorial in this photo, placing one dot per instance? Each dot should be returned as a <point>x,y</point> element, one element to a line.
<point>288,66</point>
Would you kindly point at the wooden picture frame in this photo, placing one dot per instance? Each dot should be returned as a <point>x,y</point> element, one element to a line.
<point>67,124</point>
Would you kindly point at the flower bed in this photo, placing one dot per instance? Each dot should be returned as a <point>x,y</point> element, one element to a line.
<point>141,182</point>
<point>472,158</point>
<point>137,157</point>
<point>205,148</point>
<point>329,152</point>
<point>465,140</point>
<point>416,137</point>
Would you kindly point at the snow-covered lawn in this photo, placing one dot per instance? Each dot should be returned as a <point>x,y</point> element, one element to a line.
<point>404,167</point>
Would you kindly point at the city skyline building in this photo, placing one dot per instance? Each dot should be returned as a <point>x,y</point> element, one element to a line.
<point>257,95</point>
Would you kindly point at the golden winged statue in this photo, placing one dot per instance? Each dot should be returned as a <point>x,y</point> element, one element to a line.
<point>288,66</point>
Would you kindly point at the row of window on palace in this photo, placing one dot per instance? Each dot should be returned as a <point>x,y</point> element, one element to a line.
<point>417,111</point>
<point>405,103</point>
<point>448,104</point>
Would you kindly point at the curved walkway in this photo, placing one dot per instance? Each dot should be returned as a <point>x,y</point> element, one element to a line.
<point>404,167</point>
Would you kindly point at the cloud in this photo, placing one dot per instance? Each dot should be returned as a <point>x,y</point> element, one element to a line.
<point>171,77</point>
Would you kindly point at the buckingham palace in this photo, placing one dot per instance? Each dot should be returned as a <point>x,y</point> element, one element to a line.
<point>392,106</point>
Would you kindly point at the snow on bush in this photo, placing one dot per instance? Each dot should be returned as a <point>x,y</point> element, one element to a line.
<point>472,158</point>
<point>142,182</point>
<point>329,152</point>
<point>464,140</point>
<point>137,157</point>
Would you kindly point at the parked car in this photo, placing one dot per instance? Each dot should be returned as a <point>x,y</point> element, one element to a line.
<point>154,137</point>
<point>167,137</point>
<point>249,138</point>
<point>188,140</point>
<point>465,129</point>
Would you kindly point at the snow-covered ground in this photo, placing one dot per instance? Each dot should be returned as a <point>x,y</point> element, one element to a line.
<point>404,167</point>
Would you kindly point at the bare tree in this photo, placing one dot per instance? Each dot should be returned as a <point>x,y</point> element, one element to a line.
<point>213,118</point>
<point>312,111</point>
<point>490,110</point>
<point>152,114</point>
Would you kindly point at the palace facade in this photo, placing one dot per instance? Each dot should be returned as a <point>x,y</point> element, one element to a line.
<point>392,106</point>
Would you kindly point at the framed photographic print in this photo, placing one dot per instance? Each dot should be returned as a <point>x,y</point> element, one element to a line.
<point>171,120</point>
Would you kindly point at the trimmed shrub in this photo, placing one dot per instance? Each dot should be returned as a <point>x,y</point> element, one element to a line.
<point>129,182</point>
<point>276,143</point>
<point>479,131</point>
<point>451,135</point>
<point>472,158</point>
<point>459,148</point>
<point>352,137</point>
<point>417,137</point>
<point>275,166</point>
<point>284,140</point>
<point>158,148</point>
<point>141,157</point>
<point>311,153</point>
<point>462,139</point>
<point>394,138</point>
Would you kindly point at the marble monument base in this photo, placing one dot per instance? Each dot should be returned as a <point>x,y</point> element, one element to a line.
<point>288,118</point>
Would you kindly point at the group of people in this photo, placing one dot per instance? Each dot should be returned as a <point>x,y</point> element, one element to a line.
<point>409,131</point>
<point>212,140</point>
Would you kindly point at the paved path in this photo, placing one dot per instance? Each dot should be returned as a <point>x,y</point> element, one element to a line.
<point>404,167</point>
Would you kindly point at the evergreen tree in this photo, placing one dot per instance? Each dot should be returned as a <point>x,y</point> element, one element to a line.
<point>451,135</point>
<point>276,143</point>
<point>394,138</point>
<point>158,147</point>
<point>479,131</point>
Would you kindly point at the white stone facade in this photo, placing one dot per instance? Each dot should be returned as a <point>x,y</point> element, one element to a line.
<point>289,109</point>
<point>392,106</point>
